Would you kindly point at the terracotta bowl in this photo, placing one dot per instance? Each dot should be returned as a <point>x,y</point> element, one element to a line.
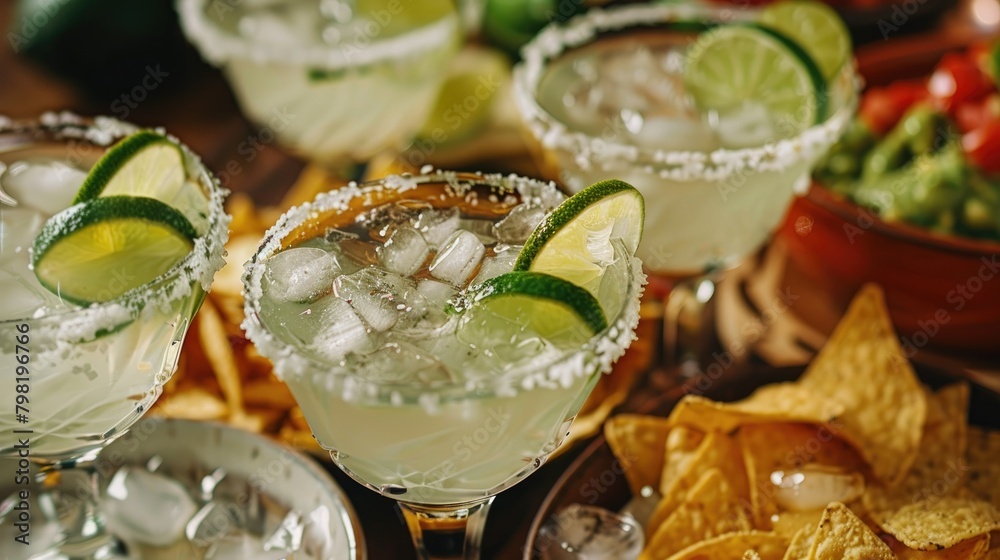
<point>943,291</point>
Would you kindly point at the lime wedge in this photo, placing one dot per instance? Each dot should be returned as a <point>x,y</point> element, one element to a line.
<point>98,250</point>
<point>734,67</point>
<point>150,165</point>
<point>815,27</point>
<point>532,304</point>
<point>575,241</point>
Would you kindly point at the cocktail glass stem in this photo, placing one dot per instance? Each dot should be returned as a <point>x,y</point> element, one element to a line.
<point>75,502</point>
<point>443,532</point>
<point>687,322</point>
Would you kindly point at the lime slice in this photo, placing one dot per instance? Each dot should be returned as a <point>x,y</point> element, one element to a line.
<point>533,304</point>
<point>150,165</point>
<point>733,67</point>
<point>575,241</point>
<point>98,250</point>
<point>815,27</point>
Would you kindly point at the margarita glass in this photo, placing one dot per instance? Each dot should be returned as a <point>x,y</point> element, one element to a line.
<point>335,81</point>
<point>91,371</point>
<point>411,401</point>
<point>604,96</point>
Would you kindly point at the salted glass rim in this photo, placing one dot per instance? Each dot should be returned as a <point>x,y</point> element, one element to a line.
<point>557,39</point>
<point>219,46</point>
<point>598,353</point>
<point>200,265</point>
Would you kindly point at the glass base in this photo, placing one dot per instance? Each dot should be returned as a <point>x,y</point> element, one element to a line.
<point>447,533</point>
<point>687,324</point>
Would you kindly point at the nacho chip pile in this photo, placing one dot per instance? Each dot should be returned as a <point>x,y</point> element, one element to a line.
<point>855,460</point>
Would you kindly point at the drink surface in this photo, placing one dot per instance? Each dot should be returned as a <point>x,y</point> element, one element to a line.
<point>412,398</point>
<point>317,72</point>
<point>610,98</point>
<point>93,370</point>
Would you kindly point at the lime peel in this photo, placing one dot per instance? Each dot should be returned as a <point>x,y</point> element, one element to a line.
<point>75,253</point>
<point>147,164</point>
<point>564,242</point>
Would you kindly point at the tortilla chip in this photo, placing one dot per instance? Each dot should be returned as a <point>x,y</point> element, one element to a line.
<point>194,404</point>
<point>753,544</point>
<point>313,179</point>
<point>682,444</point>
<point>863,367</point>
<point>801,544</point>
<point>842,535</point>
<point>268,393</point>
<point>219,353</point>
<point>229,279</point>
<point>938,473</point>
<point>983,459</point>
<point>780,402</point>
<point>936,523</point>
<point>971,549</point>
<point>790,523</point>
<point>717,452</point>
<point>768,448</point>
<point>637,442</point>
<point>712,508</point>
<point>241,207</point>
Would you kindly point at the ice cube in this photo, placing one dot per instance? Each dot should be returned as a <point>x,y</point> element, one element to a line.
<point>213,522</point>
<point>492,267</point>
<point>18,229</point>
<point>376,295</point>
<point>332,328</point>
<point>459,258</point>
<point>482,228</point>
<point>301,274</point>
<point>146,507</point>
<point>747,126</point>
<point>401,362</point>
<point>405,252</point>
<point>288,536</point>
<point>436,293</point>
<point>660,132</point>
<point>21,296</point>
<point>519,224</point>
<point>317,539</point>
<point>402,212</point>
<point>590,533</point>
<point>240,547</point>
<point>43,183</point>
<point>437,225</point>
<point>426,317</point>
